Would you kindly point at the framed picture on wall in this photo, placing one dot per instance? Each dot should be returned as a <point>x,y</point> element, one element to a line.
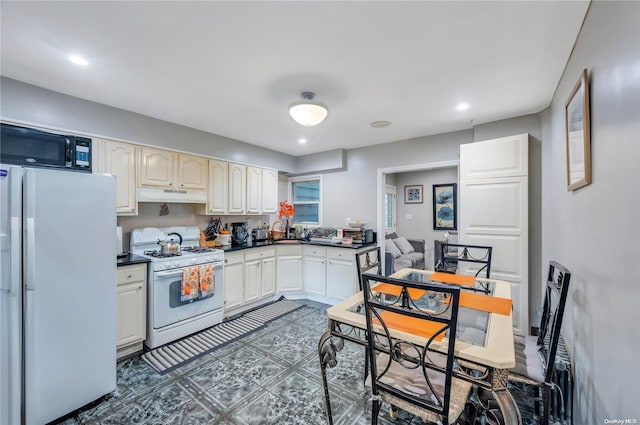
<point>445,206</point>
<point>413,194</point>
<point>577,135</point>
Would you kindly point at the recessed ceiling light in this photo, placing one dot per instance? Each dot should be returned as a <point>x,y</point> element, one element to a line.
<point>302,141</point>
<point>78,60</point>
<point>380,124</point>
<point>462,106</point>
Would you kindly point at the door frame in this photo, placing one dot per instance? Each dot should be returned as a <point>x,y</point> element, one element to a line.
<point>380,192</point>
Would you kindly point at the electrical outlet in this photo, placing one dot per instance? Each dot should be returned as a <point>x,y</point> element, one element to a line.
<point>409,217</point>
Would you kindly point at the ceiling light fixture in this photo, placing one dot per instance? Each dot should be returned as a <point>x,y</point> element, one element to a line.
<point>462,106</point>
<point>302,141</point>
<point>308,112</point>
<point>78,60</point>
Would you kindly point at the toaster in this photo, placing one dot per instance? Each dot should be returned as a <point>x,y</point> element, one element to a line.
<point>259,234</point>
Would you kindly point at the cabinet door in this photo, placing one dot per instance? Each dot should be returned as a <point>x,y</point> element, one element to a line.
<point>156,167</point>
<point>314,275</point>
<point>254,190</point>
<point>341,279</point>
<point>218,187</point>
<point>131,313</point>
<point>233,282</point>
<point>237,188</point>
<point>268,276</point>
<point>269,191</point>
<point>119,159</point>
<point>289,273</point>
<point>192,172</point>
<point>252,280</point>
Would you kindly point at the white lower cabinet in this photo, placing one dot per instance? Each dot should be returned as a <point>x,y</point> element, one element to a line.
<point>341,273</point>
<point>233,280</point>
<point>131,308</point>
<point>289,270</point>
<point>259,277</point>
<point>314,262</point>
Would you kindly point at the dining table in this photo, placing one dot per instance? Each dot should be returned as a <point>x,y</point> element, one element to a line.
<point>484,346</point>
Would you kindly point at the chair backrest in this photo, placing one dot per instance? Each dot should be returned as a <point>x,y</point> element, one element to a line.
<point>452,254</point>
<point>555,299</point>
<point>397,358</point>
<point>367,261</point>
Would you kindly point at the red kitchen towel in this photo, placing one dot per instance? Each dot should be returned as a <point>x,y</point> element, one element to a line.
<point>190,284</point>
<point>207,280</point>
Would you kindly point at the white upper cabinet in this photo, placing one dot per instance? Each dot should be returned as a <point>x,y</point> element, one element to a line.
<point>269,191</point>
<point>162,168</point>
<point>254,190</point>
<point>218,187</point>
<point>119,159</point>
<point>192,172</point>
<point>237,189</point>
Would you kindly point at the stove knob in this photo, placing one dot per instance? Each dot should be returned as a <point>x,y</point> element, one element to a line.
<point>194,261</point>
<point>209,259</point>
<point>175,264</point>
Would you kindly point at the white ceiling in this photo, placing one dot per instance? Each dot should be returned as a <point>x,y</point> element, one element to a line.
<point>232,68</point>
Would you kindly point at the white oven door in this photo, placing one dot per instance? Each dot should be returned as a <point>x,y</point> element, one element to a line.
<point>167,306</point>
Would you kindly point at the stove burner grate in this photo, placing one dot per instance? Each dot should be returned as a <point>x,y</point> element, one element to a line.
<point>159,254</point>
<point>197,249</point>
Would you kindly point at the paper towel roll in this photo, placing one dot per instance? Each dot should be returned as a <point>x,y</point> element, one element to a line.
<point>118,241</point>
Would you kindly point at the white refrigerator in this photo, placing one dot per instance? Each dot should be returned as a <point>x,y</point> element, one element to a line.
<point>57,292</point>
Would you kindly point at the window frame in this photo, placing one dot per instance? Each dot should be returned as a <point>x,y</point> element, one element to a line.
<point>391,190</point>
<point>316,177</point>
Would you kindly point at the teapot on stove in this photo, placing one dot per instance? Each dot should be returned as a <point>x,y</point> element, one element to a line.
<point>170,246</point>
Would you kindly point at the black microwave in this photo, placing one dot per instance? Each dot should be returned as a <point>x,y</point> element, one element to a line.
<point>36,148</point>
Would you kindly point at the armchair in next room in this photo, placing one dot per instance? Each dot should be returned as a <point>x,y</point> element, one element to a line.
<point>400,253</point>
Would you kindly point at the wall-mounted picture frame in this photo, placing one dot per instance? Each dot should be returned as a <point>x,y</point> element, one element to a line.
<point>578,137</point>
<point>445,201</point>
<point>413,194</point>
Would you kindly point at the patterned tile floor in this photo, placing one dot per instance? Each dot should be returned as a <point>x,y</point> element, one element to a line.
<point>271,376</point>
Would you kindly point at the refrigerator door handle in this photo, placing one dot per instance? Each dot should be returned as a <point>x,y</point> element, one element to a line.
<point>16,229</point>
<point>30,258</point>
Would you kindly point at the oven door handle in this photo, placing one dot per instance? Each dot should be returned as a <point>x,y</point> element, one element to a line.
<point>169,274</point>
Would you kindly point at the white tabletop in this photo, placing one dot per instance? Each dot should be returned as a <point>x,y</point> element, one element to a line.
<point>497,352</point>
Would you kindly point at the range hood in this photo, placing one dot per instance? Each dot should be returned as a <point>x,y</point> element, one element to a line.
<point>148,194</point>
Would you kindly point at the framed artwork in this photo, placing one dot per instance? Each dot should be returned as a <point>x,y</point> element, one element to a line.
<point>413,194</point>
<point>578,136</point>
<point>445,206</point>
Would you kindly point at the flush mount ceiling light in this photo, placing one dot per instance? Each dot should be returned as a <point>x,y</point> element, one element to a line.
<point>462,106</point>
<point>308,112</point>
<point>380,124</point>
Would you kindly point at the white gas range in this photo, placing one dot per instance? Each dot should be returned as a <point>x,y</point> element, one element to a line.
<point>169,317</point>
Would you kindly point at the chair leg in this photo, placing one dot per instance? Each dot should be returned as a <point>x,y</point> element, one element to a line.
<point>375,410</point>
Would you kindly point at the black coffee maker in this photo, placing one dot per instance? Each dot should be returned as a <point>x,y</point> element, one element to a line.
<point>239,233</point>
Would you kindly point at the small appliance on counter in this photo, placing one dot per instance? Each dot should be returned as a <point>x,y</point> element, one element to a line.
<point>239,233</point>
<point>224,238</point>
<point>259,235</point>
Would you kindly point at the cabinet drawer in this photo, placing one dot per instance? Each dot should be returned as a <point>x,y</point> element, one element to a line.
<point>289,250</point>
<point>340,254</point>
<point>233,259</point>
<point>133,273</point>
<point>259,254</point>
<point>316,251</point>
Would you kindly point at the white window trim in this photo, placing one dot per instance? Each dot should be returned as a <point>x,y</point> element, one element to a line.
<point>290,196</point>
<point>389,189</point>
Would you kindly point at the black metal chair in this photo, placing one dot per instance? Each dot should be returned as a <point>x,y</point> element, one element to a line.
<point>538,358</point>
<point>450,256</point>
<point>405,369</point>
<point>366,261</point>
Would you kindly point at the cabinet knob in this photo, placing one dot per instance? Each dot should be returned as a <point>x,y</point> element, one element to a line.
<point>129,277</point>
<point>181,184</point>
<point>170,184</point>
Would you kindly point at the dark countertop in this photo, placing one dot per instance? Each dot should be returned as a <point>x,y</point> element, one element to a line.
<point>127,259</point>
<point>262,244</point>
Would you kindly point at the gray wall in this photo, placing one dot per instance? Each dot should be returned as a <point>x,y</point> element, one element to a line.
<point>595,230</point>
<point>27,103</point>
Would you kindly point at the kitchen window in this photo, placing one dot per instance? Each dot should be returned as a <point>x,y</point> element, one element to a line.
<point>306,196</point>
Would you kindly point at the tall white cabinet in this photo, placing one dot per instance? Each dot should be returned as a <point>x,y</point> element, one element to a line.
<point>119,159</point>
<point>494,212</point>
